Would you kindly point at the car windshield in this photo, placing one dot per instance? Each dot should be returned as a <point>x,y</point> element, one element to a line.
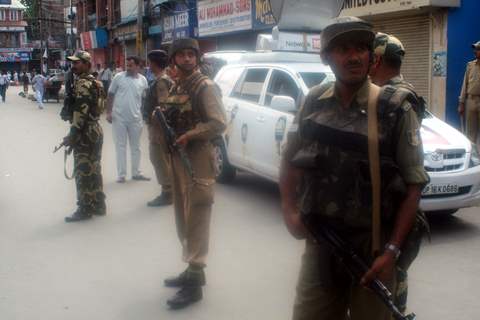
<point>313,78</point>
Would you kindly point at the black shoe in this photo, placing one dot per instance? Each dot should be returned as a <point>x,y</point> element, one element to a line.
<point>140,177</point>
<point>185,297</point>
<point>189,277</point>
<point>164,199</point>
<point>99,212</point>
<point>78,216</point>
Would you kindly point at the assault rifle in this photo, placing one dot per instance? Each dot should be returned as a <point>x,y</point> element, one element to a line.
<point>60,146</point>
<point>171,140</point>
<point>353,263</point>
<point>67,112</point>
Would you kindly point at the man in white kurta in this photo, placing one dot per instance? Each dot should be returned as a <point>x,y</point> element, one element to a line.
<point>124,112</point>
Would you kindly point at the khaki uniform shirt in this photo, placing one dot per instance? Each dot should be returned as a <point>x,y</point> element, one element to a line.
<point>156,95</point>
<point>409,149</point>
<point>209,101</point>
<point>471,81</point>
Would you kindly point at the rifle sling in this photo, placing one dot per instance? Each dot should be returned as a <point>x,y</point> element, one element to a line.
<point>65,156</point>
<point>374,163</point>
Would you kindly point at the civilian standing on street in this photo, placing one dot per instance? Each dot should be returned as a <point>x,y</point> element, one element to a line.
<point>124,103</point>
<point>470,95</point>
<point>3,85</point>
<point>195,111</point>
<point>25,82</point>
<point>38,85</point>
<point>159,154</point>
<point>106,76</point>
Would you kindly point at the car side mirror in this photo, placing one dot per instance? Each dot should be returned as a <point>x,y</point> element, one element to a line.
<point>283,104</point>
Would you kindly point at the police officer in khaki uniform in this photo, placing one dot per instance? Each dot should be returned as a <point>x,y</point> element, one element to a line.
<point>389,53</point>
<point>470,95</point>
<point>325,173</point>
<point>157,93</point>
<point>195,111</point>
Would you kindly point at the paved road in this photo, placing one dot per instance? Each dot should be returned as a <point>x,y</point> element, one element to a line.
<point>111,268</point>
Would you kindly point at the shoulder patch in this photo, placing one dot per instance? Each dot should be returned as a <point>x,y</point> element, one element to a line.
<point>406,106</point>
<point>414,138</point>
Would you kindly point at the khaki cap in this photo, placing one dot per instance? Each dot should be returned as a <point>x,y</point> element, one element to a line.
<point>80,55</point>
<point>343,26</point>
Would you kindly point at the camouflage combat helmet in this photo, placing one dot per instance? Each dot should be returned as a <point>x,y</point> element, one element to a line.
<point>182,44</point>
<point>160,57</point>
<point>388,46</point>
<point>343,26</point>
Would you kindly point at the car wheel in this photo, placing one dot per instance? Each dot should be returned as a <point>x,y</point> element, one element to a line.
<point>224,172</point>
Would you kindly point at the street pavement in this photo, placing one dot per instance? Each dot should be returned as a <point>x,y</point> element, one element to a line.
<point>112,267</point>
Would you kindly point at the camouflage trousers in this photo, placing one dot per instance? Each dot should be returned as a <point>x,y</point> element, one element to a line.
<point>87,155</point>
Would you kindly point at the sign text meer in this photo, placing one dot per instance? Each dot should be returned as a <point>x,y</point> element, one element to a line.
<point>223,16</point>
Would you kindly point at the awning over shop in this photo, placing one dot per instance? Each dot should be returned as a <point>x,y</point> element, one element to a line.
<point>94,39</point>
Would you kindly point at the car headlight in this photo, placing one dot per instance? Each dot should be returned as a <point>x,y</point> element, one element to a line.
<point>474,157</point>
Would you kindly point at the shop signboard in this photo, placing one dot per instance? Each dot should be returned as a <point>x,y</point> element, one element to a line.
<point>223,16</point>
<point>177,24</point>
<point>262,15</point>
<point>372,7</point>
<point>22,56</point>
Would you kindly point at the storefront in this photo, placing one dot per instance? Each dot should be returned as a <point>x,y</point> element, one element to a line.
<point>123,43</point>
<point>421,25</point>
<point>96,43</point>
<point>15,59</point>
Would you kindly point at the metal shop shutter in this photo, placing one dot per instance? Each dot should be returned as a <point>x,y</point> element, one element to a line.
<point>415,34</point>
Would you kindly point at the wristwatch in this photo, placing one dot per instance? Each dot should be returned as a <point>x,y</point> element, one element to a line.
<point>393,248</point>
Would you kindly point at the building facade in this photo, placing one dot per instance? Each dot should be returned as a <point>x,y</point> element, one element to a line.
<point>13,37</point>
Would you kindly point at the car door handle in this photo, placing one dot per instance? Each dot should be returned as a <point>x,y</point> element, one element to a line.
<point>260,119</point>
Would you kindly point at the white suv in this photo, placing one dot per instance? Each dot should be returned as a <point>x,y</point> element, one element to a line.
<point>261,98</point>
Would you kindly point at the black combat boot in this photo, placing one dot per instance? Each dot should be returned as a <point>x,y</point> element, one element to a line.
<point>185,297</point>
<point>163,199</point>
<point>78,215</point>
<point>192,276</point>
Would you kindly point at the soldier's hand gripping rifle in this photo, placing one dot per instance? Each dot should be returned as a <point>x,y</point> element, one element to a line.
<point>353,263</point>
<point>171,141</point>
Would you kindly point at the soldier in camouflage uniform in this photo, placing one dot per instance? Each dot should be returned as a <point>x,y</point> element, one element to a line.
<point>470,95</point>
<point>157,93</point>
<point>325,175</point>
<point>86,139</point>
<point>389,54</point>
<point>195,111</point>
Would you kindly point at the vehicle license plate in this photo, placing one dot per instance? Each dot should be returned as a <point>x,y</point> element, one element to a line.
<point>432,189</point>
